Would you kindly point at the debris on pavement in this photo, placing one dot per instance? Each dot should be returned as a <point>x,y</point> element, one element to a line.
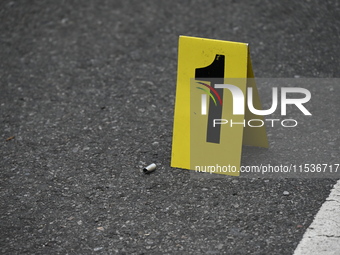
<point>150,168</point>
<point>285,193</point>
<point>10,138</point>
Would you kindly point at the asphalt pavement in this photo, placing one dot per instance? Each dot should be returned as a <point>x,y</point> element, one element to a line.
<point>87,92</point>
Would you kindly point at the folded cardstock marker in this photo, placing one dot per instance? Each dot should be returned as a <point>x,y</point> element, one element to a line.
<point>211,122</point>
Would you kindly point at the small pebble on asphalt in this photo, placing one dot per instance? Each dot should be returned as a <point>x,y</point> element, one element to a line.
<point>285,193</point>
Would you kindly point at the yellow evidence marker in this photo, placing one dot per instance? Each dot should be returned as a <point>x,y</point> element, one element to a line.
<point>211,120</point>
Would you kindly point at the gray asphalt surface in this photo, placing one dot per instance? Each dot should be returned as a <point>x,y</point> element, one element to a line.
<point>87,88</point>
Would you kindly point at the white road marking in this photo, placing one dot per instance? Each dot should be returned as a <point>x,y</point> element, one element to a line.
<point>323,235</point>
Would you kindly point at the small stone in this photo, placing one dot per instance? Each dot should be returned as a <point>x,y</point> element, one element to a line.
<point>100,228</point>
<point>219,246</point>
<point>64,21</point>
<point>234,181</point>
<point>285,193</point>
<point>98,248</point>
